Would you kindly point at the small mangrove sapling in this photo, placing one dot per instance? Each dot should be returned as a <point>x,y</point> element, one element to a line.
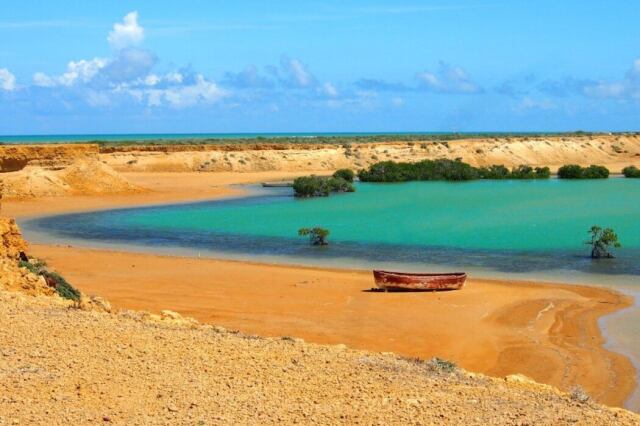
<point>601,240</point>
<point>317,236</point>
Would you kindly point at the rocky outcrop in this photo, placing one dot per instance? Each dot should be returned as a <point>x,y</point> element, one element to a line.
<point>53,157</point>
<point>11,241</point>
<point>12,276</point>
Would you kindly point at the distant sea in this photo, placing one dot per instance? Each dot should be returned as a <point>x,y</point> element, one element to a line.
<point>26,139</point>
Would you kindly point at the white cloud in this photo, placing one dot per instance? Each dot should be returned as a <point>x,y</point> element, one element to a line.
<point>7,80</point>
<point>606,90</point>
<point>151,80</point>
<point>296,73</point>
<point>628,87</point>
<point>397,102</point>
<point>329,90</point>
<point>126,34</point>
<point>198,90</point>
<point>174,77</point>
<point>448,79</point>
<point>81,71</point>
<point>527,104</point>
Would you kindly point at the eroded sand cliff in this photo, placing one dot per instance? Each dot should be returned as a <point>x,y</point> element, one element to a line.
<point>53,170</point>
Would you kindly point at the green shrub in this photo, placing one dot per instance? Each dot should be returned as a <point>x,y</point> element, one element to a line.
<point>338,184</point>
<point>390,171</point>
<point>542,173</point>
<point>62,287</point>
<point>317,236</point>
<point>528,172</point>
<point>523,172</point>
<point>595,172</point>
<point>573,171</point>
<point>600,241</point>
<point>441,365</point>
<point>570,171</point>
<point>35,266</point>
<point>494,172</point>
<point>346,174</point>
<point>317,186</point>
<point>631,172</point>
<point>53,279</point>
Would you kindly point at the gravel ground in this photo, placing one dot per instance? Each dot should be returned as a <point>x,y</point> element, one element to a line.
<point>61,365</point>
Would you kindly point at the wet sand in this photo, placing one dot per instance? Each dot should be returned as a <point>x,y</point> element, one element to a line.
<point>547,332</point>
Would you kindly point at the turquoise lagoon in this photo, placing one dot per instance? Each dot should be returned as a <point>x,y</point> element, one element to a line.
<point>504,229</point>
<point>498,227</point>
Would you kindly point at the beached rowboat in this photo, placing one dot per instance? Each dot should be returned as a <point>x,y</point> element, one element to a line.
<point>402,281</point>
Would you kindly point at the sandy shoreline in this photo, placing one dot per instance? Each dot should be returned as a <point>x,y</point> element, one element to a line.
<point>547,332</point>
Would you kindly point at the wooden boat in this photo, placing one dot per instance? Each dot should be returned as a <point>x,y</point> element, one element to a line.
<point>403,281</point>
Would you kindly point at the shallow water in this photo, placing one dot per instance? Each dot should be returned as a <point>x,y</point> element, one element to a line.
<point>500,229</point>
<point>505,226</point>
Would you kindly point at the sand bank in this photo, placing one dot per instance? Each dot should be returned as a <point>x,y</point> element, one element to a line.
<point>159,188</point>
<point>547,332</point>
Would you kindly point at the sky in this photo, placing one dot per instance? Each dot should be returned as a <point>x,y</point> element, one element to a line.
<point>79,67</point>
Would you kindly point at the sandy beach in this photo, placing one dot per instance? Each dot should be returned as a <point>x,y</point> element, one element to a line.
<point>547,332</point>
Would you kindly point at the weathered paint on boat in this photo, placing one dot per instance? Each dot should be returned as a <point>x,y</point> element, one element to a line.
<point>403,281</point>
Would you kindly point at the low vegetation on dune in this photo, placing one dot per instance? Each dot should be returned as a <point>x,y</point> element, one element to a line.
<point>53,279</point>
<point>320,186</point>
<point>444,169</point>
<point>573,171</point>
<point>345,139</point>
<point>631,172</point>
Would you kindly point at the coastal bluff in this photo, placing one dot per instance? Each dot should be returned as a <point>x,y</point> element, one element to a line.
<point>33,171</point>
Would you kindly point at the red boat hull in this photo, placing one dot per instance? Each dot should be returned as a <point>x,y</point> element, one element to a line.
<point>401,281</point>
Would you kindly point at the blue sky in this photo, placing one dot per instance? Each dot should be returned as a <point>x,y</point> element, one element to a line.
<point>290,66</point>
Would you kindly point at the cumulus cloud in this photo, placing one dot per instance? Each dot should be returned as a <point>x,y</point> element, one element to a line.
<point>294,73</point>
<point>248,78</point>
<point>380,85</point>
<point>126,34</point>
<point>188,92</point>
<point>565,87</point>
<point>397,102</point>
<point>7,80</point>
<point>628,87</point>
<point>448,79</point>
<point>129,64</point>
<point>330,90</point>
<point>129,74</point>
<point>527,104</point>
<point>81,71</point>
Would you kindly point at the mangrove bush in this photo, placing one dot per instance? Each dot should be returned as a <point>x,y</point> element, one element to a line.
<point>574,171</point>
<point>320,186</point>
<point>443,169</point>
<point>346,174</point>
<point>631,172</point>
<point>600,241</point>
<point>317,236</point>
